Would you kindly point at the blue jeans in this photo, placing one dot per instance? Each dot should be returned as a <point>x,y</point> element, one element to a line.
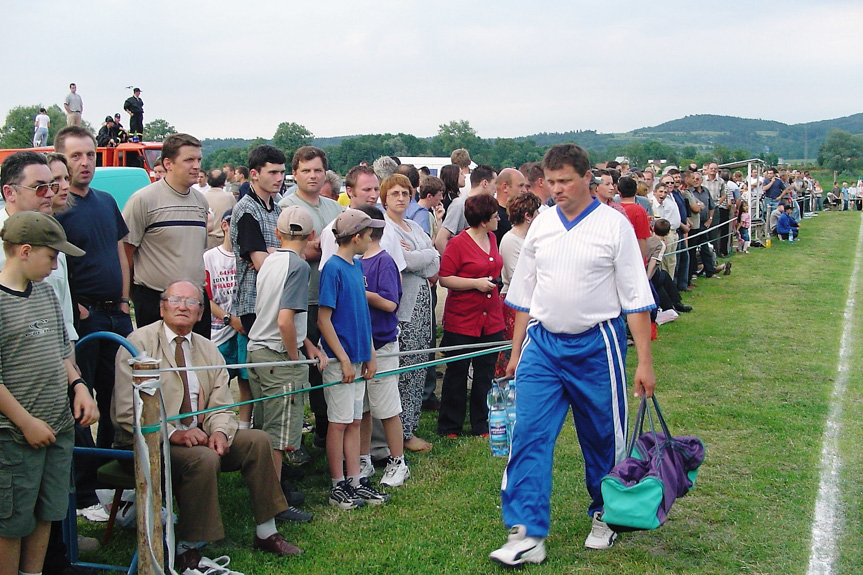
<point>40,138</point>
<point>681,271</point>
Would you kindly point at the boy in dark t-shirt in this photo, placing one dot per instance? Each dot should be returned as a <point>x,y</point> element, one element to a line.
<point>37,378</point>
<point>382,399</point>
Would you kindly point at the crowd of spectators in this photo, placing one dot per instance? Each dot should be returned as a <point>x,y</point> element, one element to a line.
<point>194,250</point>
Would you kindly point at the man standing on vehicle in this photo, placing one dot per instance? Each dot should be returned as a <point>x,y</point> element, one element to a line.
<point>74,106</point>
<point>135,106</point>
<point>100,280</point>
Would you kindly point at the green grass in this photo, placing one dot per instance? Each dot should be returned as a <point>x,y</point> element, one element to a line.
<point>750,371</point>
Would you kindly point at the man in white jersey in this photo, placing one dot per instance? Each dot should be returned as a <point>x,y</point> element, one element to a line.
<point>574,359</point>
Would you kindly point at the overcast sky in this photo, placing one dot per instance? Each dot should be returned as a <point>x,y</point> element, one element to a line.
<point>222,68</point>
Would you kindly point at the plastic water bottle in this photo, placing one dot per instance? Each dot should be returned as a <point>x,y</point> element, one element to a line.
<point>497,434</point>
<point>510,411</point>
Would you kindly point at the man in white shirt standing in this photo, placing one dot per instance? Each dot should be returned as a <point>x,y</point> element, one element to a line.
<point>666,208</point>
<point>41,123</point>
<point>571,360</point>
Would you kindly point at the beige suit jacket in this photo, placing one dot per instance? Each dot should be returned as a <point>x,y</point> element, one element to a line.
<point>214,390</point>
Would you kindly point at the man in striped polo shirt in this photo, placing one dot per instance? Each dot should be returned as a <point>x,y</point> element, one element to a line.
<point>574,359</point>
<point>167,223</point>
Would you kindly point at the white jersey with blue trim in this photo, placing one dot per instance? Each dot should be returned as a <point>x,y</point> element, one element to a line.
<point>572,275</point>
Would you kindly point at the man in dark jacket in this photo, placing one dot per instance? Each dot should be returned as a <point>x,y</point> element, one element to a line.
<point>135,106</point>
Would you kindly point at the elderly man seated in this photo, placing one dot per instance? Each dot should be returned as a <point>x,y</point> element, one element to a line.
<point>203,445</point>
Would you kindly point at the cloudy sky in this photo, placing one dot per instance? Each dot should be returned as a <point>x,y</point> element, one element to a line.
<point>222,68</point>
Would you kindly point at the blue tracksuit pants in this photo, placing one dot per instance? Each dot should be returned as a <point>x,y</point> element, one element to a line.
<point>556,372</point>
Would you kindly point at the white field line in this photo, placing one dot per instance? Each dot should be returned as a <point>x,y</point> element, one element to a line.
<point>828,520</point>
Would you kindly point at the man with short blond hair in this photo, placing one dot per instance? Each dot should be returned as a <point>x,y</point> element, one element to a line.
<point>461,158</point>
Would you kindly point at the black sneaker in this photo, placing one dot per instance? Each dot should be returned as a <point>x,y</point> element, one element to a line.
<point>294,515</point>
<point>293,497</point>
<point>369,494</point>
<point>344,497</point>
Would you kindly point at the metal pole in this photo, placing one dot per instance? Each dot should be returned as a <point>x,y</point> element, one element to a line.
<point>149,416</point>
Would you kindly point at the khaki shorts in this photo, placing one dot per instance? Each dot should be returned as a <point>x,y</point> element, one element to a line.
<point>382,393</point>
<point>34,483</point>
<point>278,416</point>
<point>344,400</point>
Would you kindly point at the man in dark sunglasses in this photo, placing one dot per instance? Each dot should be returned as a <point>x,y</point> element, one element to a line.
<point>27,184</point>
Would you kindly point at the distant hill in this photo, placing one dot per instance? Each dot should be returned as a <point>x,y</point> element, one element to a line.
<point>703,131</point>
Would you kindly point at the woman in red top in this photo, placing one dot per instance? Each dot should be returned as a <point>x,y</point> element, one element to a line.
<point>472,314</point>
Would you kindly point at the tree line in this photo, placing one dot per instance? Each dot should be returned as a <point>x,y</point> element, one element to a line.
<point>841,151</point>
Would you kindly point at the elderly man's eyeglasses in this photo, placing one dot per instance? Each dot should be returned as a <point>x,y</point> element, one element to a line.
<point>177,301</point>
<point>41,189</point>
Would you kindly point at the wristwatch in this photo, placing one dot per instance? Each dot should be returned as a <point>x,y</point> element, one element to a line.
<point>227,319</point>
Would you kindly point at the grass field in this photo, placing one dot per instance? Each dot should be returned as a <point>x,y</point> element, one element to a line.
<point>750,371</point>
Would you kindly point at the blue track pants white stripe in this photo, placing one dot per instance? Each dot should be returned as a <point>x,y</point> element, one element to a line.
<point>556,372</point>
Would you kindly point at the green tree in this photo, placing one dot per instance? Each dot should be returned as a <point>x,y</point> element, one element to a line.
<point>738,154</point>
<point>841,151</point>
<point>232,155</point>
<point>291,136</point>
<point>158,130</point>
<point>18,130</point>
<point>396,146</point>
<point>458,134</point>
<point>688,152</point>
<point>721,154</point>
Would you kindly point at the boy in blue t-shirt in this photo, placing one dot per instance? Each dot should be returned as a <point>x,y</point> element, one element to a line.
<point>383,400</point>
<point>346,334</point>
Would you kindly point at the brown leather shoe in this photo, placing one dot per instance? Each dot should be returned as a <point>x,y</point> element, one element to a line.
<point>187,560</point>
<point>276,544</point>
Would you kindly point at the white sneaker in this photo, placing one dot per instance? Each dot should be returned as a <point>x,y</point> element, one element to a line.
<point>396,473</point>
<point>601,535</point>
<point>367,468</point>
<point>519,549</point>
<point>95,513</point>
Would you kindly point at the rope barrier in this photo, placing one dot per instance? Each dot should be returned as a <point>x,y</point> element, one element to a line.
<point>314,361</point>
<point>728,223</point>
<point>499,346</point>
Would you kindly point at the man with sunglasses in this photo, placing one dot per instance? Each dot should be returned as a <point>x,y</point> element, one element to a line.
<point>28,186</point>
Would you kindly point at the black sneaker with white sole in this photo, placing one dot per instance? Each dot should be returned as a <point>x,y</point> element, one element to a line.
<point>344,497</point>
<point>369,494</point>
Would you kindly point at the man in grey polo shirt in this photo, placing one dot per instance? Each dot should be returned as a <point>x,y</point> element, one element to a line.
<point>309,167</point>
<point>74,106</point>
